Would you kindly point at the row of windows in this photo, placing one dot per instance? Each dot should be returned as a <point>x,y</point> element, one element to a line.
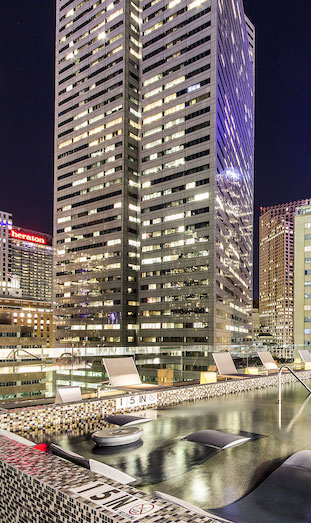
<point>95,73</point>
<point>86,22</point>
<point>97,141</point>
<point>181,38</point>
<point>171,325</point>
<point>176,243</point>
<point>91,189</point>
<point>179,53</point>
<point>178,312</point>
<point>93,97</point>
<point>178,297</point>
<point>175,230</point>
<point>90,224</point>
<point>177,270</point>
<point>175,27</point>
<point>172,190</point>
<point>176,148</point>
<point>174,176</point>
<point>175,216</point>
<point>96,84</point>
<point>176,163</point>
<point>177,67</point>
<point>92,155</point>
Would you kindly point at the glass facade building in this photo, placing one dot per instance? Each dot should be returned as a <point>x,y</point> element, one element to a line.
<point>154,135</point>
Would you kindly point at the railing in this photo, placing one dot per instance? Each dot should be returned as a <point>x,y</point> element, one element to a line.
<point>280,389</point>
<point>294,374</point>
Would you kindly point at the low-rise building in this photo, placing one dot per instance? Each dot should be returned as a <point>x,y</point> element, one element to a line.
<point>31,313</point>
<point>17,339</point>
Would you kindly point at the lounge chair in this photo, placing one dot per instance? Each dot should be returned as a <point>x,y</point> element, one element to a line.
<point>267,361</point>
<point>284,496</point>
<point>305,356</point>
<point>226,367</point>
<point>123,373</point>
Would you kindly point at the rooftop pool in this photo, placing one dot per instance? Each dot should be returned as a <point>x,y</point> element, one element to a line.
<point>163,461</point>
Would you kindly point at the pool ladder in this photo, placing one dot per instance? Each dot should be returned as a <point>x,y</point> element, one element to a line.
<point>280,389</point>
<point>294,374</point>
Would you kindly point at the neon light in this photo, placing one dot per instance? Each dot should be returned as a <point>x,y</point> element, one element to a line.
<point>27,237</point>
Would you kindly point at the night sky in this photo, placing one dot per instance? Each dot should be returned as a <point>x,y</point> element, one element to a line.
<point>283,109</point>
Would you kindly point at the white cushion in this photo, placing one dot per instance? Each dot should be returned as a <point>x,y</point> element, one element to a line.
<point>271,366</point>
<point>110,472</point>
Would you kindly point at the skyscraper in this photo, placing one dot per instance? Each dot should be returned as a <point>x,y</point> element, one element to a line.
<point>276,270</point>
<point>155,118</point>
<point>302,317</point>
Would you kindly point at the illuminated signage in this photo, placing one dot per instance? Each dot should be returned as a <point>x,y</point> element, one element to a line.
<point>27,237</point>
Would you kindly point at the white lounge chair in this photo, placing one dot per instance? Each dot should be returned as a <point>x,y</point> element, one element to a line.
<point>226,367</point>
<point>267,361</point>
<point>305,356</point>
<point>123,373</point>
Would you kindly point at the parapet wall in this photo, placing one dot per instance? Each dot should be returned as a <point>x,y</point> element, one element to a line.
<point>76,414</point>
<point>39,487</point>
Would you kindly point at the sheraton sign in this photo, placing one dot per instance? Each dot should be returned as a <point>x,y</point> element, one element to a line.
<point>17,235</point>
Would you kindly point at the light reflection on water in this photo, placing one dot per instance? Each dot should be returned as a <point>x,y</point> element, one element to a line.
<point>184,469</point>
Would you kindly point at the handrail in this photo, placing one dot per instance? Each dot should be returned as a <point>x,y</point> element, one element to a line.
<point>294,374</point>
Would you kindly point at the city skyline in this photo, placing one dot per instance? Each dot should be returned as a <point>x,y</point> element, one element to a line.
<point>33,64</point>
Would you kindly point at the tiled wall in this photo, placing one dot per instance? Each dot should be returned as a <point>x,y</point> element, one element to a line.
<point>35,488</point>
<point>74,415</point>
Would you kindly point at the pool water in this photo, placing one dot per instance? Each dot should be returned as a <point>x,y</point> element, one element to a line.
<point>164,461</point>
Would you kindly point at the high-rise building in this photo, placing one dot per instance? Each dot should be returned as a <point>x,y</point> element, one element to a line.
<point>276,270</point>
<point>6,255</point>
<point>154,135</point>
<point>302,323</point>
<point>26,260</point>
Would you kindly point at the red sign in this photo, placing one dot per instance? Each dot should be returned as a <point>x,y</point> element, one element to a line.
<point>143,508</point>
<point>27,237</point>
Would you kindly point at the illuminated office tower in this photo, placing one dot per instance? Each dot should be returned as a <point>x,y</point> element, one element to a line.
<point>302,301</point>
<point>154,135</point>
<point>96,208</point>
<point>276,270</point>
<point>196,173</point>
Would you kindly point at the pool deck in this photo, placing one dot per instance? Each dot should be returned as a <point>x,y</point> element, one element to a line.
<point>38,486</point>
